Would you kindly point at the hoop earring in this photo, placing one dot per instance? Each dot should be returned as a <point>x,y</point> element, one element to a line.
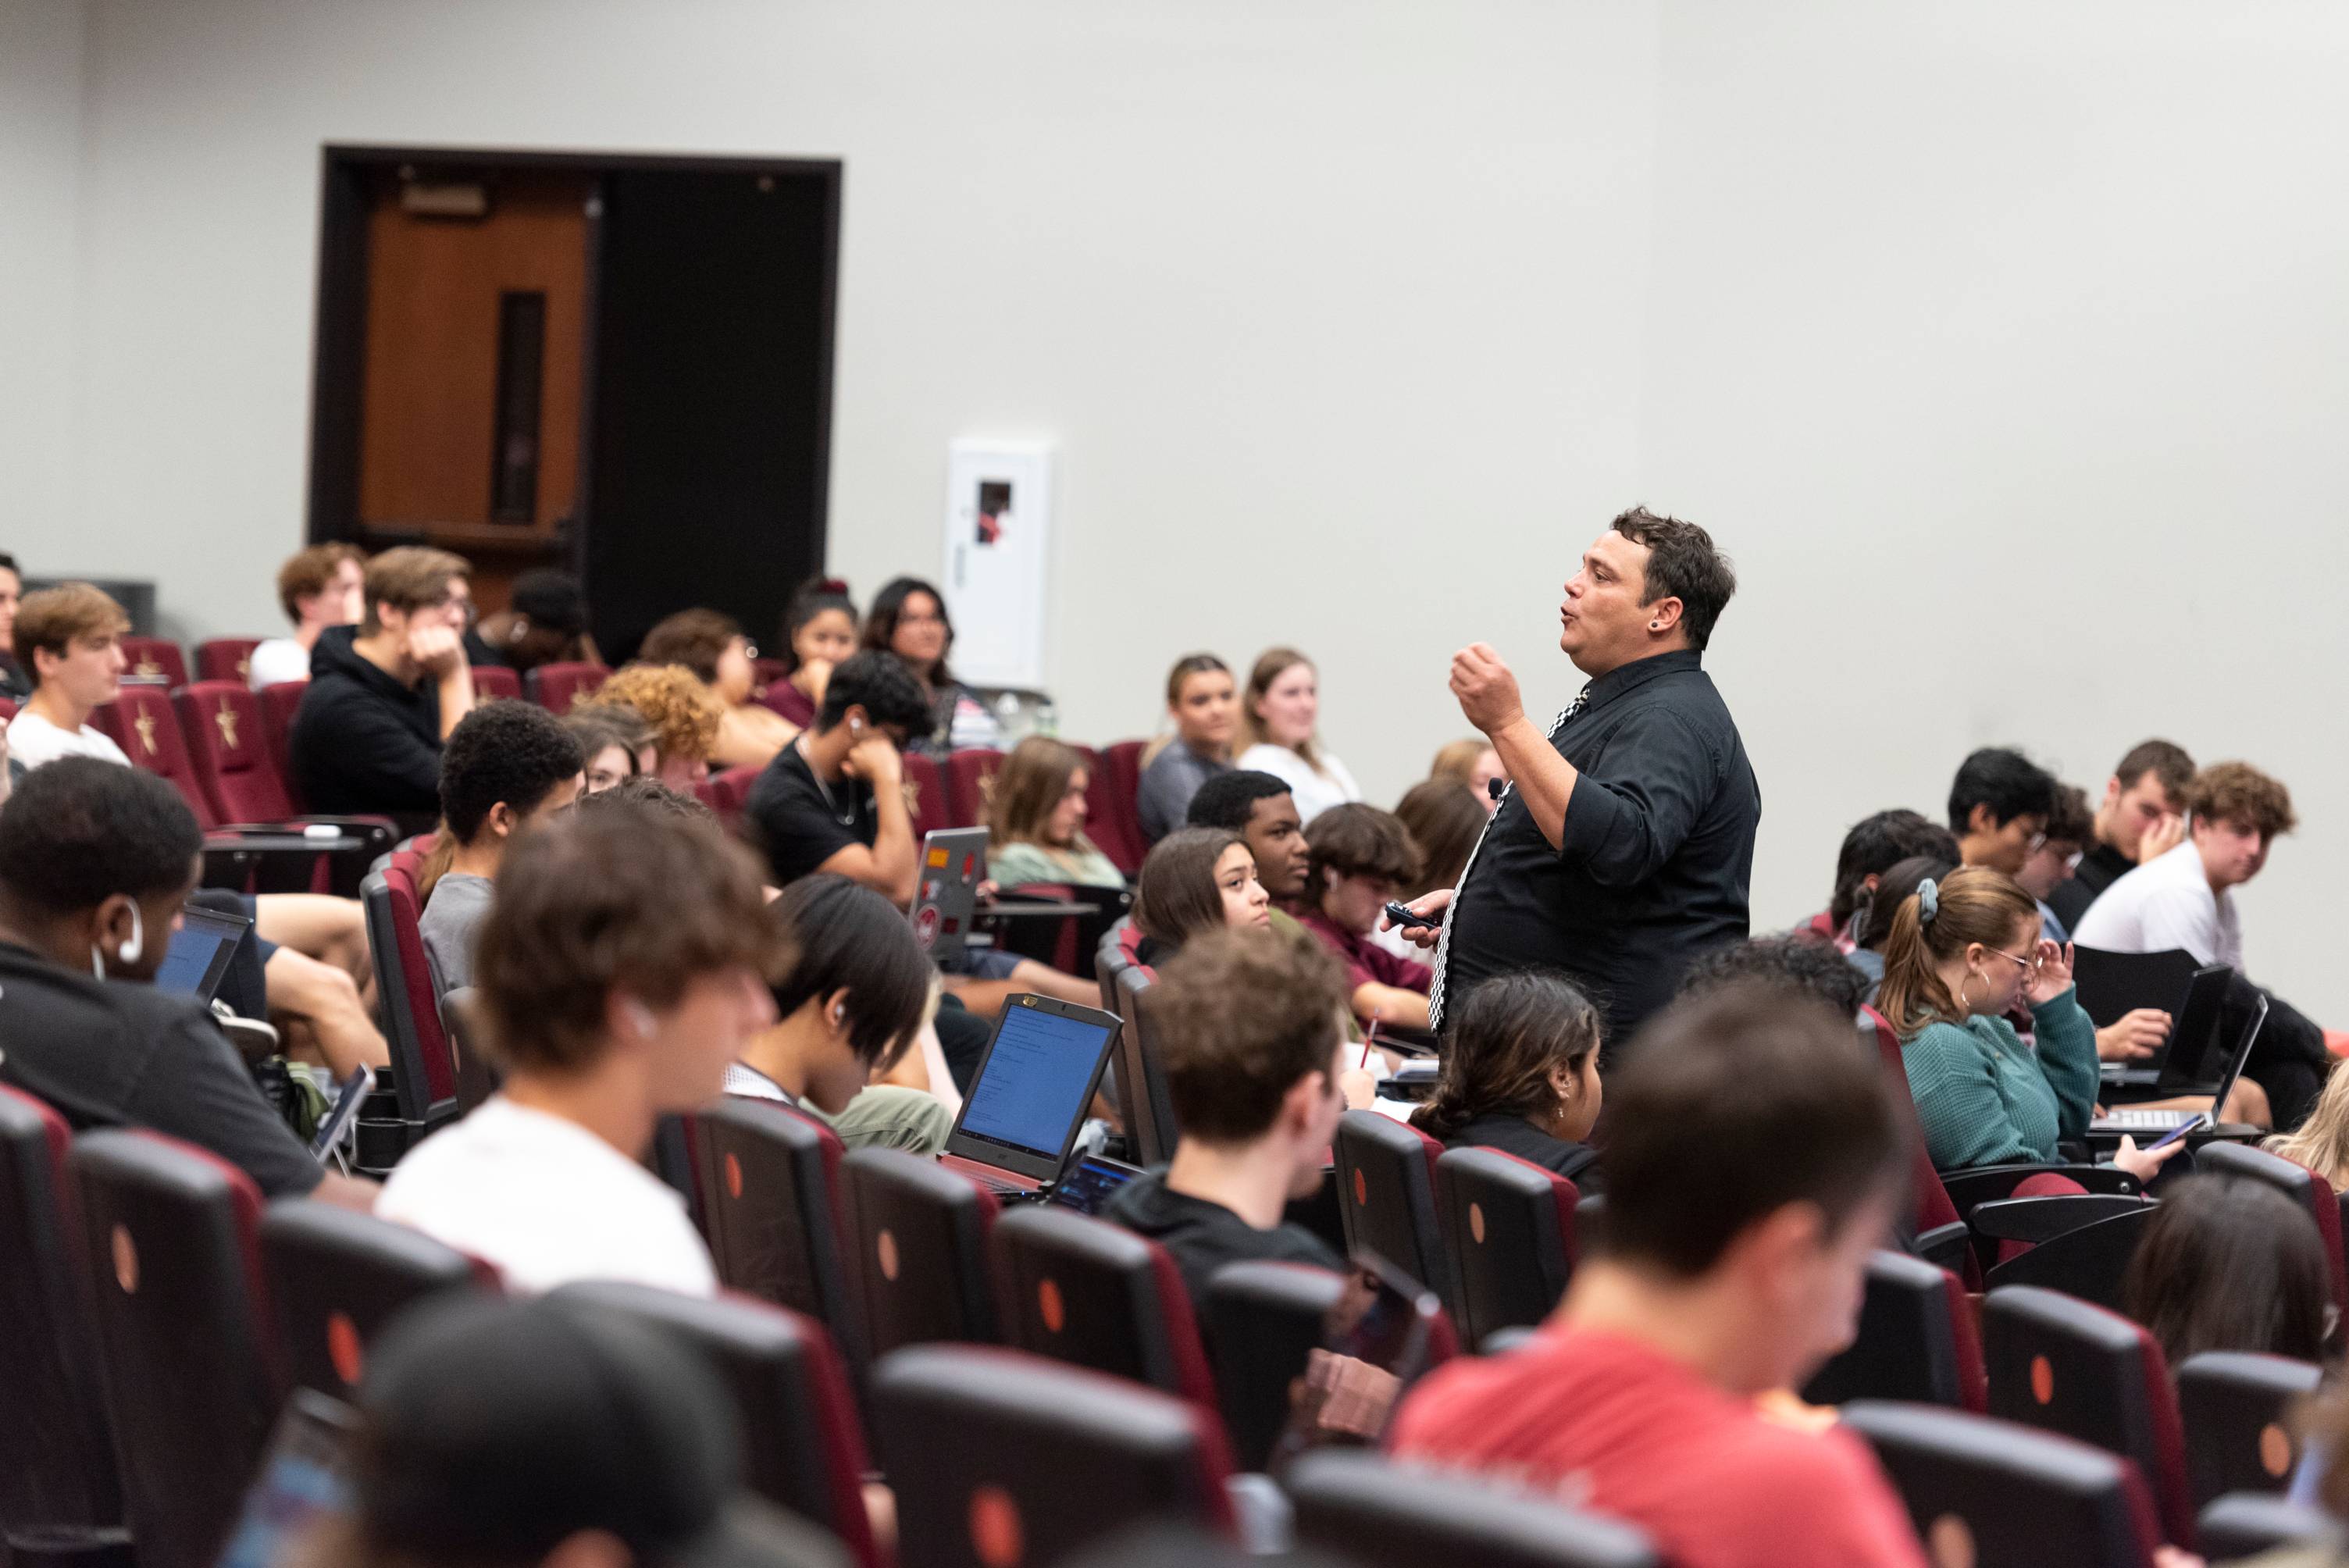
<point>1964,1005</point>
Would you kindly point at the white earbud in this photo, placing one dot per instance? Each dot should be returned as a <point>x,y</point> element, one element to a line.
<point>132,949</point>
<point>839,1017</point>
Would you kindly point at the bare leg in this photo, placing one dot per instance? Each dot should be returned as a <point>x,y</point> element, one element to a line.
<point>2247,1103</point>
<point>324,998</point>
<point>331,930</point>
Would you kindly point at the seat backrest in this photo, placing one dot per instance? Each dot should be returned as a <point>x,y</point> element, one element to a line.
<point>802,1446</point>
<point>423,1073</point>
<point>2089,1263</point>
<point>1150,1126</point>
<point>279,703</point>
<point>729,793</point>
<point>2313,1194</point>
<point>56,1462</point>
<point>556,687</point>
<point>769,1181</point>
<point>155,663</point>
<point>1386,1196</point>
<point>1086,1291</point>
<point>1114,819</point>
<point>918,1233</point>
<point>173,1265</point>
<point>220,723</point>
<point>1381,1515</point>
<point>1510,1226</point>
<point>141,721</point>
<point>495,681</point>
<point>337,1276</point>
<point>970,784</point>
<point>1997,1495</point>
<point>925,783</point>
<point>2064,1365</point>
<point>2245,1523</point>
<point>1927,1196</point>
<point>999,1457</point>
<point>2240,1411</point>
<point>1916,1341</point>
<point>226,659</point>
<point>1264,1320</point>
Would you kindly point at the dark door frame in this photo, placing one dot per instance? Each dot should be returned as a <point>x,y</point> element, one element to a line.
<point>338,364</point>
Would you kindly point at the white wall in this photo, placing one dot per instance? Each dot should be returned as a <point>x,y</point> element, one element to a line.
<point>2002,344</point>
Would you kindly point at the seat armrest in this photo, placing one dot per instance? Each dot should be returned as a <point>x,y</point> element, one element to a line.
<point>2045,1219</point>
<point>1944,1246</point>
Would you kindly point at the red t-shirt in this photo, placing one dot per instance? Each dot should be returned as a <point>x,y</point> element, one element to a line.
<point>1366,961</point>
<point>1613,1425</point>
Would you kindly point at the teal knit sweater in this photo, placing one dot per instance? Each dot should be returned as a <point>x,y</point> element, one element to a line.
<point>1985,1097</point>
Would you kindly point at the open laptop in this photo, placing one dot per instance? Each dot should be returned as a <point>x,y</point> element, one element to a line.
<point>2134,1121</point>
<point>2176,1063</point>
<point>200,952</point>
<point>953,862</point>
<point>304,1479</point>
<point>1029,1097</point>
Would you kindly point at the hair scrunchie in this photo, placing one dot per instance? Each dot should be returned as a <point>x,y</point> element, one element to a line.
<point>1929,901</point>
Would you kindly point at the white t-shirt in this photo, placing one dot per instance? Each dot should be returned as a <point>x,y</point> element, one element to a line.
<point>2165,905</point>
<point>276,661</point>
<point>1314,792</point>
<point>34,740</point>
<point>547,1201</point>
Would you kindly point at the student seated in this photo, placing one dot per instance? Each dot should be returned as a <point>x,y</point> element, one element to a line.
<point>1873,846</point>
<point>509,768</point>
<point>1259,807</point>
<point>1359,858</point>
<point>2049,866</point>
<point>384,696</point>
<point>1876,930</point>
<point>1793,962</point>
<point>1279,713</point>
<point>833,800</point>
<point>683,715</point>
<point>908,618</point>
<point>2141,818</point>
<point>313,949</point>
<point>96,861</point>
<point>1521,1075</point>
<point>819,632</point>
<point>2231,1264</point>
<point>1475,763</point>
<point>624,963</point>
<point>1249,1028</point>
<point>1200,701</point>
<point>713,647</point>
<point>1445,819</point>
<point>319,587</point>
<point>1196,881</point>
<point>544,623</point>
<point>1999,806</point>
<point>1036,820</point>
<point>1964,952</point>
<point>1754,1161</point>
<point>850,1007</point>
<point>14,684</point>
<point>615,743</point>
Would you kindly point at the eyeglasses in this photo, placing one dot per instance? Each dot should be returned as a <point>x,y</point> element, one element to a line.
<point>2030,966</point>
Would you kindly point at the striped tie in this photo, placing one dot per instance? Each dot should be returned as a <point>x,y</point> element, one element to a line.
<point>1444,943</point>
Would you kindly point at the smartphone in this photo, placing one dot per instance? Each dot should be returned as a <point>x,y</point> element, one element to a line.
<point>2175,1133</point>
<point>1402,917</point>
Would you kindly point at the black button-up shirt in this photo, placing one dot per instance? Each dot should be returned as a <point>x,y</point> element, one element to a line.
<point>1657,856</point>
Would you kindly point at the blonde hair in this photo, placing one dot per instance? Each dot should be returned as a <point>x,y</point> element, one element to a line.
<point>1270,667</point>
<point>2321,1142</point>
<point>1973,904</point>
<point>684,714</point>
<point>1457,760</point>
<point>1033,779</point>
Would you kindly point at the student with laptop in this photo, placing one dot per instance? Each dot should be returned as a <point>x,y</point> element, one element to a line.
<point>96,860</point>
<point>1963,952</point>
<point>849,1009</point>
<point>1251,1025</point>
<point>623,964</point>
<point>508,766</point>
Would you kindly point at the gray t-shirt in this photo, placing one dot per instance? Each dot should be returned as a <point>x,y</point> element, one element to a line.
<point>452,924</point>
<point>1167,785</point>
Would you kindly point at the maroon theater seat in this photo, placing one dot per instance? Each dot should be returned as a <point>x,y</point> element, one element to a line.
<point>278,704</point>
<point>1001,1459</point>
<point>1151,1127</point>
<point>1089,1292</point>
<point>926,795</point>
<point>424,1070</point>
<point>2313,1194</point>
<point>1386,1196</point>
<point>228,751</point>
<point>1992,1494</point>
<point>1511,1227</point>
<point>226,659</point>
<point>556,687</point>
<point>1264,1320</point>
<point>919,1232</point>
<point>495,682</point>
<point>155,662</point>
<point>971,785</point>
<point>802,1446</point>
<point>60,1498</point>
<point>141,721</point>
<point>174,1269</point>
<point>1114,811</point>
<point>769,1179</point>
<point>1379,1514</point>
<point>2064,1365</point>
<point>1917,1341</point>
<point>337,1276</point>
<point>2241,1412</point>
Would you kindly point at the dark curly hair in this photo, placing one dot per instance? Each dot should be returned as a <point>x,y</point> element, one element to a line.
<point>80,831</point>
<point>511,752</point>
<point>884,686</point>
<point>1809,968</point>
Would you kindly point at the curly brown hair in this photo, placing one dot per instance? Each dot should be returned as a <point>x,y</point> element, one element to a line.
<point>2240,794</point>
<point>683,711</point>
<point>1239,1016</point>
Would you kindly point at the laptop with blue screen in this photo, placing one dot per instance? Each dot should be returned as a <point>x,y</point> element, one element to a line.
<point>1029,1097</point>
<point>200,952</point>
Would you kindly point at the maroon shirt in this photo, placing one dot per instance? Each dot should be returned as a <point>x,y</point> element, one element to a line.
<point>1366,962</point>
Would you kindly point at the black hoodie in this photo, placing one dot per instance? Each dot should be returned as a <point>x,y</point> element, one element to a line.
<point>1204,1236</point>
<point>362,742</point>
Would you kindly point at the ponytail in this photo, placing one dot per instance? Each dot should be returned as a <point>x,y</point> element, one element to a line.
<point>1939,919</point>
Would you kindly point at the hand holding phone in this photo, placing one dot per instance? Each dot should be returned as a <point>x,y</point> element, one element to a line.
<point>2180,1130</point>
<point>1402,916</point>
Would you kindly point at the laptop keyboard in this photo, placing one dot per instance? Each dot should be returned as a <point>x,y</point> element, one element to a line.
<point>2164,1119</point>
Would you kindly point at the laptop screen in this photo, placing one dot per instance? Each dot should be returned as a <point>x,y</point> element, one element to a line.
<point>1035,1082</point>
<point>200,953</point>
